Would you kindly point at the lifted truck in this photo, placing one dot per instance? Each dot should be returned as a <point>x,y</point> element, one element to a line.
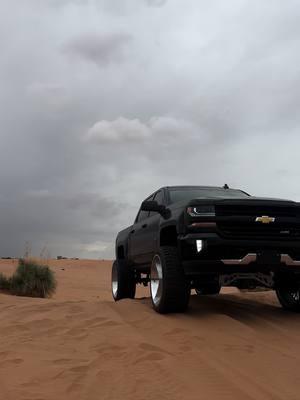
<point>203,238</point>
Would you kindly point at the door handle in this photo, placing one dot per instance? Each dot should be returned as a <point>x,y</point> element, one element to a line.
<point>132,231</point>
<point>144,226</point>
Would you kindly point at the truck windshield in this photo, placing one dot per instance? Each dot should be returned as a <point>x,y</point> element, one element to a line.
<point>187,194</point>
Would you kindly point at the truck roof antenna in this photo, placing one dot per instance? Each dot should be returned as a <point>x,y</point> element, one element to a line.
<point>225,186</point>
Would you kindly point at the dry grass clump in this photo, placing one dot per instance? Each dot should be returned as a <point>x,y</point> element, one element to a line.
<point>4,282</point>
<point>30,279</point>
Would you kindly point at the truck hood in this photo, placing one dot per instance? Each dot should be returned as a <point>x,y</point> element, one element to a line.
<point>244,201</point>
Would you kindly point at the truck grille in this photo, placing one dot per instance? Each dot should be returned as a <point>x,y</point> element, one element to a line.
<point>256,211</point>
<point>257,231</point>
<point>248,228</point>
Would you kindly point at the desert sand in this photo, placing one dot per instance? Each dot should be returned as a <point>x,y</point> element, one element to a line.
<point>82,345</point>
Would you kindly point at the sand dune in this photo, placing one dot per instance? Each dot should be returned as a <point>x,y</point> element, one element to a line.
<point>82,345</point>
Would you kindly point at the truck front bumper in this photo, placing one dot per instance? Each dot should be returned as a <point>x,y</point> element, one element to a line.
<point>253,257</point>
<point>210,253</point>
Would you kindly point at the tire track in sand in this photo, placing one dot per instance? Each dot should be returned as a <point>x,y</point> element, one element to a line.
<point>230,362</point>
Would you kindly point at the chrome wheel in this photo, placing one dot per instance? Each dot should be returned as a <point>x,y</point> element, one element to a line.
<point>289,298</point>
<point>156,277</point>
<point>295,296</point>
<point>114,281</point>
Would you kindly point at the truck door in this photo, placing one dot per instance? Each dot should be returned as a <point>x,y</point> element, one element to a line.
<point>151,230</point>
<point>137,244</point>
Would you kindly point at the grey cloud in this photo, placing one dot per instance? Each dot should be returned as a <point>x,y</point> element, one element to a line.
<point>76,2</point>
<point>41,218</point>
<point>120,130</point>
<point>156,3</point>
<point>99,49</point>
<point>63,3</point>
<point>124,130</point>
<point>96,206</point>
<point>211,96</point>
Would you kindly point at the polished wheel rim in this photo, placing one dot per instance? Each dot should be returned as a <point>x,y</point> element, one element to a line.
<point>156,280</point>
<point>295,295</point>
<point>114,281</point>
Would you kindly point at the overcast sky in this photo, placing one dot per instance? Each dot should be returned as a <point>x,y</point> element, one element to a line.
<point>104,101</point>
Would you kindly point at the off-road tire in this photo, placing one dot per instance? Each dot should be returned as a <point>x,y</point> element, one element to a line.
<point>123,283</point>
<point>208,289</point>
<point>175,288</point>
<point>289,298</point>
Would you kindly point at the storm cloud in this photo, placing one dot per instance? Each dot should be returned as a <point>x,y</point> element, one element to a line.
<point>100,49</point>
<point>103,102</point>
<point>156,3</point>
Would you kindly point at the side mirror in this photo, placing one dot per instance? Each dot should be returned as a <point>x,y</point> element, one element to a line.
<point>152,205</point>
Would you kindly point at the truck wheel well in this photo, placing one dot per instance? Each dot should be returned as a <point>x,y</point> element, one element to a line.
<point>168,236</point>
<point>120,253</point>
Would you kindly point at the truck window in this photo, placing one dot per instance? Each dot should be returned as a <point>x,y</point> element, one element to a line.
<point>159,197</point>
<point>143,214</point>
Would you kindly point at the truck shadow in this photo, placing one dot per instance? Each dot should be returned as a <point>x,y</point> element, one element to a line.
<point>250,308</point>
<point>243,307</point>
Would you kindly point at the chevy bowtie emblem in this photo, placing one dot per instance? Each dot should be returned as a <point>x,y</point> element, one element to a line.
<point>265,219</point>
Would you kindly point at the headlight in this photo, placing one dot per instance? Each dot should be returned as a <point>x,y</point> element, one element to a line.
<point>201,211</point>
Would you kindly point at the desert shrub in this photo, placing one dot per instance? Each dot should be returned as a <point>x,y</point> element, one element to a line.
<point>4,282</point>
<point>32,279</point>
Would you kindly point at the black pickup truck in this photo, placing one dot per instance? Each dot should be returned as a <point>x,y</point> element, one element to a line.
<point>203,238</point>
